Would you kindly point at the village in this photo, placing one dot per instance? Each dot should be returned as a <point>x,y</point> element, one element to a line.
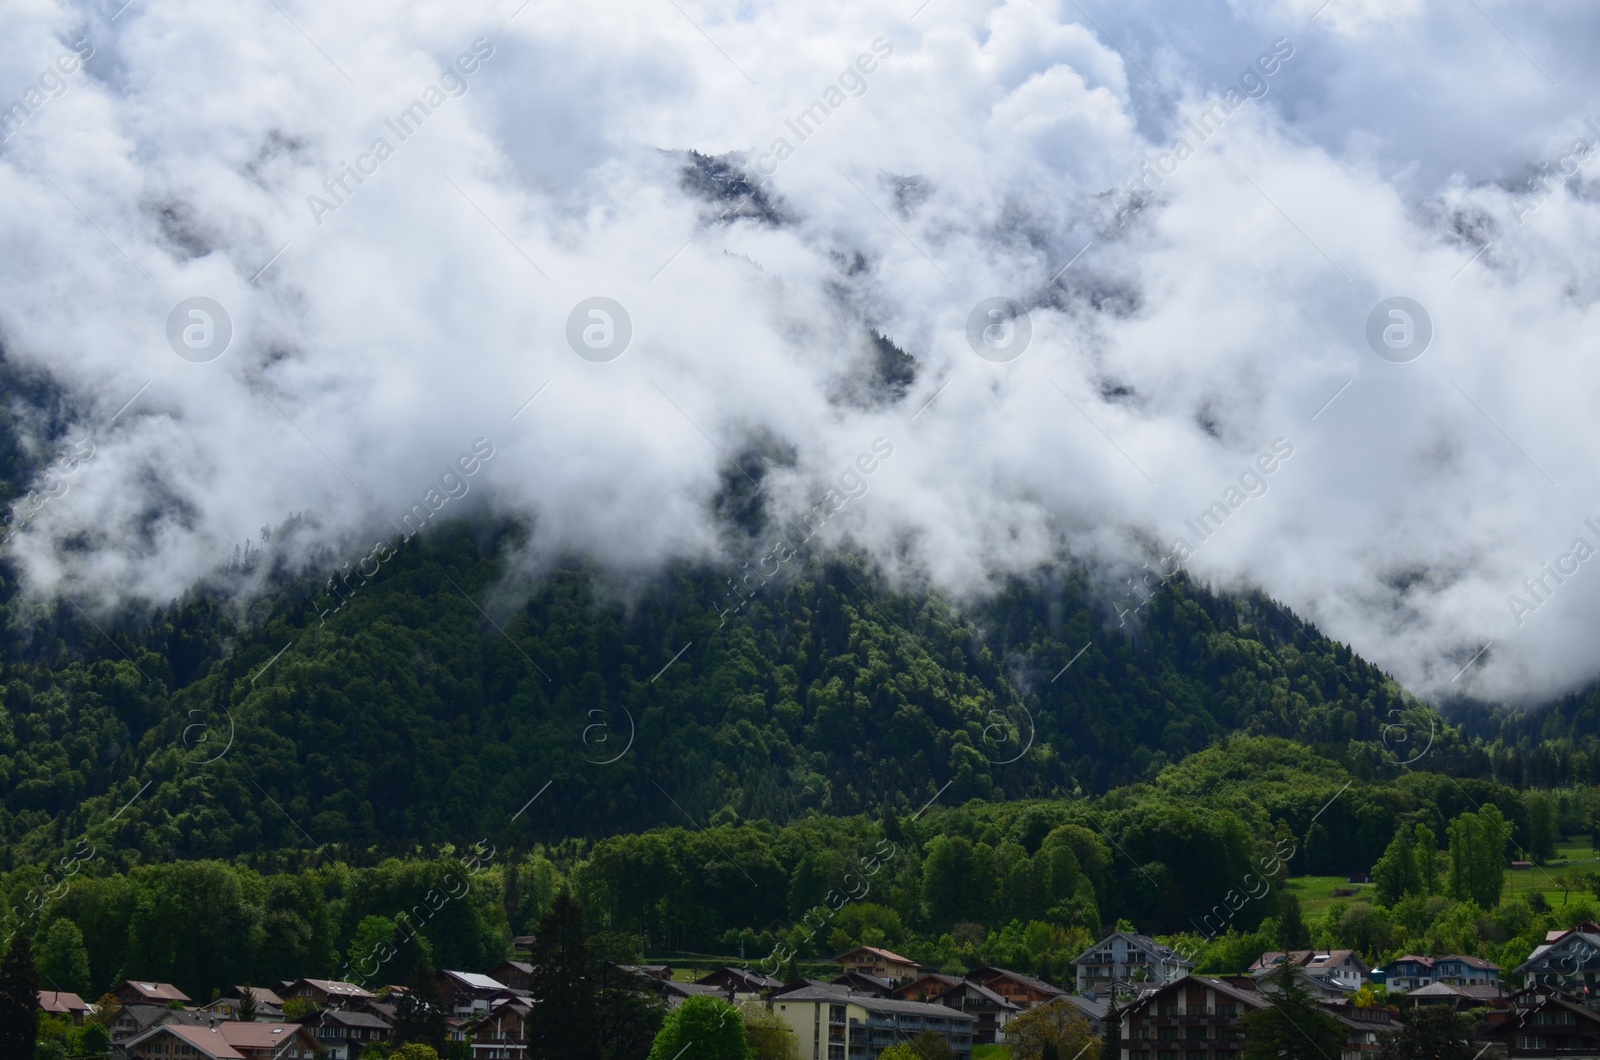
<point>880,999</point>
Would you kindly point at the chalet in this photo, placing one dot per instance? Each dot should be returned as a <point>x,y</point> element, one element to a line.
<point>467,994</point>
<point>327,993</point>
<point>344,1033</point>
<point>1460,998</point>
<point>1123,956</point>
<point>502,1032</point>
<point>227,1040</point>
<point>1465,971</point>
<point>1023,991</point>
<point>881,964</point>
<point>653,971</point>
<point>926,986</point>
<point>870,985</point>
<point>1195,1014</point>
<point>830,1023</point>
<point>736,983</point>
<point>130,992</point>
<point>1570,961</point>
<point>1343,970</point>
<point>675,993</point>
<point>134,1020</point>
<point>990,1011</point>
<point>62,1003</point>
<point>1405,974</point>
<point>269,1006</point>
<point>1364,1028</point>
<point>1091,1008</point>
<point>1545,1022</point>
<point>515,974</point>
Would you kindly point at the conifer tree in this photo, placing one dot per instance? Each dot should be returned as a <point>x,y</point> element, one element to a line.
<point>19,1000</point>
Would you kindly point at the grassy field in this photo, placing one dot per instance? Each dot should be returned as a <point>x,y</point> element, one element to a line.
<point>1316,892</point>
<point>991,1052</point>
<point>1572,858</point>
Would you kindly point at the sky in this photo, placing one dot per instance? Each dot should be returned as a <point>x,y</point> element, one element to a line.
<point>1323,270</point>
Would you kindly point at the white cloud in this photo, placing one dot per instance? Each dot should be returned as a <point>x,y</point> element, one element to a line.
<point>426,309</point>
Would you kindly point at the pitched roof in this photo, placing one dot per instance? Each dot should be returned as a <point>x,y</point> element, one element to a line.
<point>876,952</point>
<point>475,981</point>
<point>226,1038</point>
<point>1249,997</point>
<point>983,992</point>
<point>62,1001</point>
<point>885,1005</point>
<point>988,974</point>
<point>147,1016</point>
<point>204,1039</point>
<point>1144,942</point>
<point>334,988</point>
<point>1438,990</point>
<point>1426,962</point>
<point>1472,962</point>
<point>262,994</point>
<point>351,1018</point>
<point>154,991</point>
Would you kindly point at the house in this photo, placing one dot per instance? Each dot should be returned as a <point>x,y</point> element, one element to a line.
<point>1196,1014</point>
<point>130,992</point>
<point>1023,991</point>
<point>227,1040</point>
<point>468,994</point>
<point>269,1006</point>
<point>1570,961</point>
<point>1465,971</point>
<point>1546,1022</point>
<point>134,1020</point>
<point>990,1011</point>
<point>1405,974</point>
<point>879,963</point>
<point>515,974</point>
<point>674,993</point>
<point>830,1023</point>
<point>870,985</point>
<point>502,1032</point>
<point>344,1033</point>
<point>1091,1008</point>
<point>926,986</point>
<point>327,993</point>
<point>62,1003</point>
<point>1460,998</point>
<point>1343,970</point>
<point>735,983</point>
<point>1125,956</point>
<point>1364,1028</point>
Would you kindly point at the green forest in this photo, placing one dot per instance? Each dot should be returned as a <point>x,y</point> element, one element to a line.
<point>283,766</point>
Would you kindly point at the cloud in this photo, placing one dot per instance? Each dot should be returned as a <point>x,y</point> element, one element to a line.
<point>374,341</point>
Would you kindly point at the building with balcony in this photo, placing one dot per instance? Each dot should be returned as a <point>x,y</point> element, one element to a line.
<point>1124,956</point>
<point>830,1023</point>
<point>1194,1018</point>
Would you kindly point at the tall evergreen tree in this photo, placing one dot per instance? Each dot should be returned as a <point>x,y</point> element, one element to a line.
<point>19,1000</point>
<point>1426,850</point>
<point>1292,931</point>
<point>1395,874</point>
<point>1294,1027</point>
<point>247,1005</point>
<point>564,1023</point>
<point>419,1015</point>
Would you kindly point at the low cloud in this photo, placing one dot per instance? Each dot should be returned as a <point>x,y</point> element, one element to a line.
<point>985,157</point>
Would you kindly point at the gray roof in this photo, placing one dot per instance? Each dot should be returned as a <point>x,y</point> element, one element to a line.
<point>887,1006</point>
<point>352,1019</point>
<point>1093,1007</point>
